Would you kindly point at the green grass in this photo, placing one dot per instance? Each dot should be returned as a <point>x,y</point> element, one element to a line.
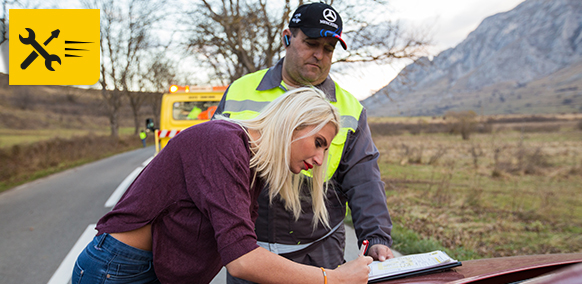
<point>407,241</point>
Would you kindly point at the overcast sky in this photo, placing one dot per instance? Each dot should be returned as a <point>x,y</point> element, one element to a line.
<point>450,21</point>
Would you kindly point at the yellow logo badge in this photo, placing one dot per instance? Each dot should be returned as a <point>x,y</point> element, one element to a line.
<point>54,47</point>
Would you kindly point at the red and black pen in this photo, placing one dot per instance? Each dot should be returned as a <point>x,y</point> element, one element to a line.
<point>364,247</point>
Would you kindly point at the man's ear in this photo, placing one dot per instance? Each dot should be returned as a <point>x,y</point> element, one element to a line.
<point>287,38</point>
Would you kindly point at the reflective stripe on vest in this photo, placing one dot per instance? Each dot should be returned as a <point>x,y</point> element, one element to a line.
<point>244,101</point>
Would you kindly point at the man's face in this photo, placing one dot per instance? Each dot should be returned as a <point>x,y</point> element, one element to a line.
<point>307,60</point>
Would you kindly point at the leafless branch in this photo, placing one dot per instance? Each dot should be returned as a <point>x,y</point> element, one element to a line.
<point>240,37</point>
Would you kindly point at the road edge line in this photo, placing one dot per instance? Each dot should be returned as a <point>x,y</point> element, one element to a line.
<point>65,270</point>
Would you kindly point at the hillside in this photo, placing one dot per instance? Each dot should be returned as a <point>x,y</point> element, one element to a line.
<point>527,60</point>
<point>56,107</point>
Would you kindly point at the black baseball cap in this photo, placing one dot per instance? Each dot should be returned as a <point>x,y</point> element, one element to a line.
<point>318,20</point>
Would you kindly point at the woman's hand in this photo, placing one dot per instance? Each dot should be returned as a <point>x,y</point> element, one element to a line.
<point>355,271</point>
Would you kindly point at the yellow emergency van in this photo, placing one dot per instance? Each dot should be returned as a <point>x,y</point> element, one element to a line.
<point>183,107</point>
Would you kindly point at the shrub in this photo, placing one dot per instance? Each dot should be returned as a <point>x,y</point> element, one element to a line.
<point>537,128</point>
<point>24,161</point>
<point>484,128</point>
<point>522,161</point>
<point>23,98</point>
<point>395,129</point>
<point>463,122</point>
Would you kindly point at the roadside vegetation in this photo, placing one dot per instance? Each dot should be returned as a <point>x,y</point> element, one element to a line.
<point>513,188</point>
<point>25,162</point>
<point>47,129</point>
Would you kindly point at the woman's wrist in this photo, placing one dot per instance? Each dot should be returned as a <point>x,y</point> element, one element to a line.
<point>332,276</point>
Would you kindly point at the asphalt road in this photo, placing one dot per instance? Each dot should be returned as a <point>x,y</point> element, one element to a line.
<point>45,223</point>
<point>41,221</point>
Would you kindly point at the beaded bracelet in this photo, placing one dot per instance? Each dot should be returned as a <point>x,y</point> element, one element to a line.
<point>324,276</point>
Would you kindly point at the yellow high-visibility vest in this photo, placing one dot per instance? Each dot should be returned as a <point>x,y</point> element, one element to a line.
<point>244,101</point>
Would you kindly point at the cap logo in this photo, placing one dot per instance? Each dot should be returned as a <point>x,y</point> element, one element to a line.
<point>296,18</point>
<point>329,15</point>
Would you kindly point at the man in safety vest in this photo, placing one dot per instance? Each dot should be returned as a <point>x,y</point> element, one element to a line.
<point>142,136</point>
<point>353,169</point>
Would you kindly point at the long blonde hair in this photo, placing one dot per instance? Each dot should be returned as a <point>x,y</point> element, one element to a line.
<point>276,124</point>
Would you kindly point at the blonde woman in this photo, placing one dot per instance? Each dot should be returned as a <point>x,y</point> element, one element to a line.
<point>192,209</point>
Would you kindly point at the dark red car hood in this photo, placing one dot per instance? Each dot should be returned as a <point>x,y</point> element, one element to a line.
<point>506,270</point>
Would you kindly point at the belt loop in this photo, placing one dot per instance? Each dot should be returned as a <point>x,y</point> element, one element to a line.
<point>100,243</point>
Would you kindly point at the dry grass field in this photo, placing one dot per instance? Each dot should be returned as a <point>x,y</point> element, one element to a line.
<point>514,189</point>
<point>46,129</point>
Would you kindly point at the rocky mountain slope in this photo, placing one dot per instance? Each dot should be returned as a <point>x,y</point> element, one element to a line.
<point>527,60</point>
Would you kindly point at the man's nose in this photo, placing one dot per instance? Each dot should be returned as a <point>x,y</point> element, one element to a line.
<point>318,53</point>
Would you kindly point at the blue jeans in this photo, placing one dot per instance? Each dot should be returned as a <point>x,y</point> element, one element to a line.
<point>107,260</point>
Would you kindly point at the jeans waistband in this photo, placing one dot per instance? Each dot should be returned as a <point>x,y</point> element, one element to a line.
<point>111,244</point>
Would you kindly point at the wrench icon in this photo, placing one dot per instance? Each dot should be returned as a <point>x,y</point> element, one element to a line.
<point>48,59</point>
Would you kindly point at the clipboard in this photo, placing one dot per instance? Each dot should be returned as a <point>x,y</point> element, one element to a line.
<point>410,265</point>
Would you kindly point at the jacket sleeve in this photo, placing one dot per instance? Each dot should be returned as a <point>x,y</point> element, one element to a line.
<point>359,177</point>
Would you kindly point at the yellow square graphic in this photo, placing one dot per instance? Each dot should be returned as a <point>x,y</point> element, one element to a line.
<point>41,38</point>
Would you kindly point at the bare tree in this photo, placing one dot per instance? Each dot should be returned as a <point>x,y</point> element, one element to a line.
<point>161,76</point>
<point>383,43</point>
<point>238,37</point>
<point>372,38</point>
<point>4,20</point>
<point>12,4</point>
<point>133,80</point>
<point>109,45</point>
<point>462,122</point>
<point>125,36</point>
